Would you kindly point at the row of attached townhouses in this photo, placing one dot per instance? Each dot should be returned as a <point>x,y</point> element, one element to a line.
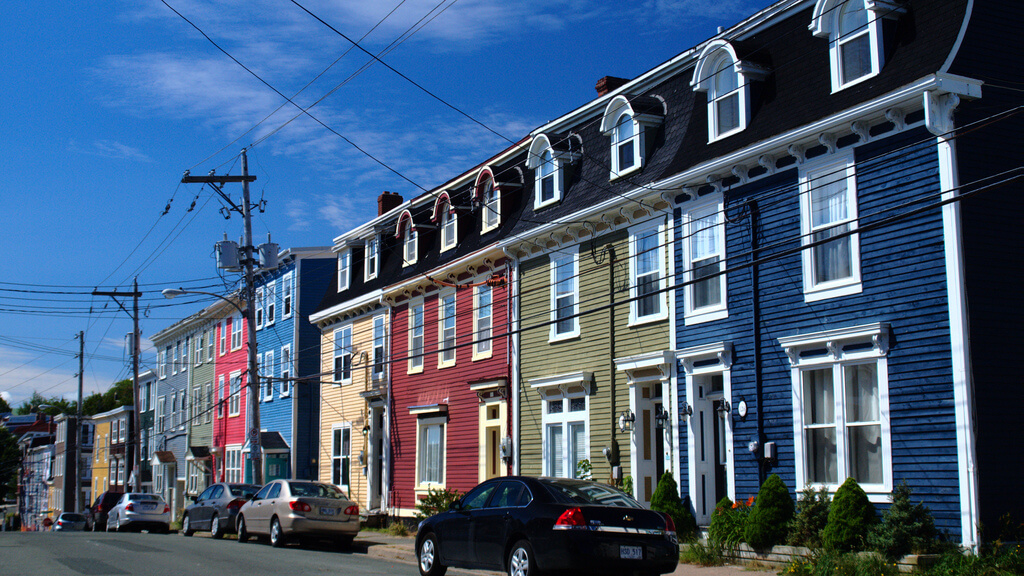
<point>791,249</point>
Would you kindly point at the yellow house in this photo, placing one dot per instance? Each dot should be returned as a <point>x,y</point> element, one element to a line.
<point>101,457</point>
<point>111,456</point>
<point>353,390</point>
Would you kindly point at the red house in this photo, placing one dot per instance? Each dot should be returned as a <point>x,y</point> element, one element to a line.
<point>230,395</point>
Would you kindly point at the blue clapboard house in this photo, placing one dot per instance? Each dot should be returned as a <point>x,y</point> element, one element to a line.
<point>288,349</point>
<point>848,256</point>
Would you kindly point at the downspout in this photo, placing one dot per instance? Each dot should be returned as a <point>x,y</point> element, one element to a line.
<point>755,323</point>
<point>385,484</point>
<point>293,371</point>
<point>512,353</point>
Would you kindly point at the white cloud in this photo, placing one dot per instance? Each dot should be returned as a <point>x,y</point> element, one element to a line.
<point>20,376</point>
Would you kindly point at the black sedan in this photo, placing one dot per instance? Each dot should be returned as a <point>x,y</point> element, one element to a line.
<point>216,508</point>
<point>526,526</point>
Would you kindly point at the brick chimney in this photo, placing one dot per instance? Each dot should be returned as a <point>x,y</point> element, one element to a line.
<point>609,83</point>
<point>387,202</point>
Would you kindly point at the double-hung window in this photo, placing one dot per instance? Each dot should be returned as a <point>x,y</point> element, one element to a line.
<point>415,336</point>
<point>828,221</point>
<point>624,145</point>
<point>482,321</point>
<point>343,355</point>
<point>647,273</point>
<point>236,332</point>
<point>271,303</point>
<point>566,419</point>
<point>410,245</point>
<point>704,244</point>
<point>233,464</point>
<point>379,337</point>
<point>430,451</point>
<point>222,327</point>
<point>209,402</point>
<point>235,399</point>
<point>446,329</point>
<point>371,258</point>
<point>287,290</point>
<point>491,199</point>
<point>855,30</point>
<point>565,304</point>
<point>449,231</point>
<point>549,157</point>
<point>174,358</point>
<point>341,456</point>
<point>344,270</point>
<point>286,370</point>
<point>161,363</point>
<point>222,396</point>
<point>211,344</point>
<point>199,347</point>
<point>841,408</point>
<point>267,377</point>
<point>725,97</point>
<point>161,404</point>
<point>546,178</point>
<point>260,303</point>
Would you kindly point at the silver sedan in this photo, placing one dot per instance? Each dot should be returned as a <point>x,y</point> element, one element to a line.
<point>286,509</point>
<point>139,511</point>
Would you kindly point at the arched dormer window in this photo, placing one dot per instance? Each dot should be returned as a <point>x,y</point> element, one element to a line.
<point>855,33</point>
<point>406,230</point>
<point>727,81</point>
<point>444,215</point>
<point>627,120</point>
<point>549,158</point>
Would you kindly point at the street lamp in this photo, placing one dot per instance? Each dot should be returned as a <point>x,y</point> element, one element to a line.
<point>255,452</point>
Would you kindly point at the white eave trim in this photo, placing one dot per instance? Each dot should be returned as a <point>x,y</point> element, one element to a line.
<point>338,309</point>
<point>438,409</point>
<point>644,361</point>
<point>492,252</point>
<point>563,382</point>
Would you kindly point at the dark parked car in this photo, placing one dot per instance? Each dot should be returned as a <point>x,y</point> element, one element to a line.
<point>216,508</point>
<point>96,515</point>
<point>524,526</point>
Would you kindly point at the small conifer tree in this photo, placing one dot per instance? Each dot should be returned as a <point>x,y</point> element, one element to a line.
<point>769,520</point>
<point>810,519</point>
<point>905,528</point>
<point>850,518</point>
<point>666,499</point>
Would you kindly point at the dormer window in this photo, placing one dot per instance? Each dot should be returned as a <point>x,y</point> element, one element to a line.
<point>549,161</point>
<point>627,122</point>
<point>490,199</point>
<point>446,218</point>
<point>855,32</point>
<point>371,259</point>
<point>727,81</point>
<point>410,239</point>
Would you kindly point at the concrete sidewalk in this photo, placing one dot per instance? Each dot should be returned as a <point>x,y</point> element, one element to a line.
<point>400,548</point>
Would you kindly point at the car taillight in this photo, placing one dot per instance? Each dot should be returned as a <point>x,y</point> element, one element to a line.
<point>167,508</point>
<point>299,506</point>
<point>130,507</point>
<point>235,504</point>
<point>571,519</point>
<point>60,523</point>
<point>352,510</point>
<point>670,525</point>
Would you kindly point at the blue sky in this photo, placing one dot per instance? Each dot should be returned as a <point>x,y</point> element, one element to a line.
<point>106,104</point>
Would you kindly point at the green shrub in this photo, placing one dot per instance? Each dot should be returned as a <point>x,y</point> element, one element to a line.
<point>826,563</point>
<point>905,528</point>
<point>666,499</point>
<point>849,519</point>
<point>697,553</point>
<point>397,528</point>
<point>727,523</point>
<point>436,501</point>
<point>769,519</point>
<point>810,519</point>
<point>627,484</point>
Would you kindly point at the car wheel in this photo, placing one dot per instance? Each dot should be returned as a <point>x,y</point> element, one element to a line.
<point>186,526</point>
<point>429,557</point>
<point>520,560</point>
<point>243,534</point>
<point>277,537</point>
<point>215,531</point>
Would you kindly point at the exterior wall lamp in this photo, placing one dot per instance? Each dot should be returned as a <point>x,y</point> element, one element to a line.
<point>626,421</point>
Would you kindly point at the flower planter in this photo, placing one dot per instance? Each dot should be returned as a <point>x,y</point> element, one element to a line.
<point>782,556</point>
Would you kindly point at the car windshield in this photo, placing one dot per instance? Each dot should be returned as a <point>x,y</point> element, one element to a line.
<point>590,493</point>
<point>315,490</point>
<point>72,517</point>
<point>244,491</point>
<point>144,498</point>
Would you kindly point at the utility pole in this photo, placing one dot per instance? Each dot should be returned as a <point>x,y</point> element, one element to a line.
<point>249,294</point>
<point>78,423</point>
<point>136,350</point>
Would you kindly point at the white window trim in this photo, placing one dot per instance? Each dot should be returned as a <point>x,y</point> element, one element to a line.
<point>211,345</point>
<point>707,313</point>
<point>287,370</point>
<point>383,372</point>
<point>260,297</point>
<point>634,232</point>
<point>235,394</point>
<point>370,272</point>
<point>271,303</point>
<point>638,139</point>
<point>336,355</point>
<point>410,245</point>
<point>825,24</point>
<point>200,347</point>
<point>415,363</point>
<point>485,207</point>
<point>221,397</point>
<point>641,122</point>
<point>835,342</point>
<point>341,457</point>
<point>704,76</point>
<point>574,253</point>
<point>174,359</point>
<point>845,286</point>
<point>288,294</point>
<point>477,353</point>
<point>266,378</point>
<point>448,218</point>
<point>421,425</point>
<point>222,328</point>
<point>344,270</point>
<point>560,161</point>
<point>161,409</point>
<point>233,463</point>
<point>161,363</point>
<point>441,362</point>
<point>564,419</point>
<point>236,333</point>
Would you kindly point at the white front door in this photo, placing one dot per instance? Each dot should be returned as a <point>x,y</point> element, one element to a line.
<point>709,427</point>
<point>649,451</point>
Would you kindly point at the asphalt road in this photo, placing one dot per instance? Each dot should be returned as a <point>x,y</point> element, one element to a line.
<point>101,553</point>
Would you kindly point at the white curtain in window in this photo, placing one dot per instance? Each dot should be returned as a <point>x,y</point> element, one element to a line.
<point>577,446</point>
<point>829,207</point>
<point>555,453</point>
<point>864,428</point>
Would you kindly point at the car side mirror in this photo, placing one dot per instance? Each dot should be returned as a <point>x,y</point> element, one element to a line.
<point>456,505</point>
<point>195,499</point>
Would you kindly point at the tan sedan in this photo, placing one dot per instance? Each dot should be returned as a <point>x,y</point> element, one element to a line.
<point>284,509</point>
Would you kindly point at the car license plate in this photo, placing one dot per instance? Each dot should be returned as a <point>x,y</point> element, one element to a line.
<point>327,511</point>
<point>148,507</point>
<point>631,552</point>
